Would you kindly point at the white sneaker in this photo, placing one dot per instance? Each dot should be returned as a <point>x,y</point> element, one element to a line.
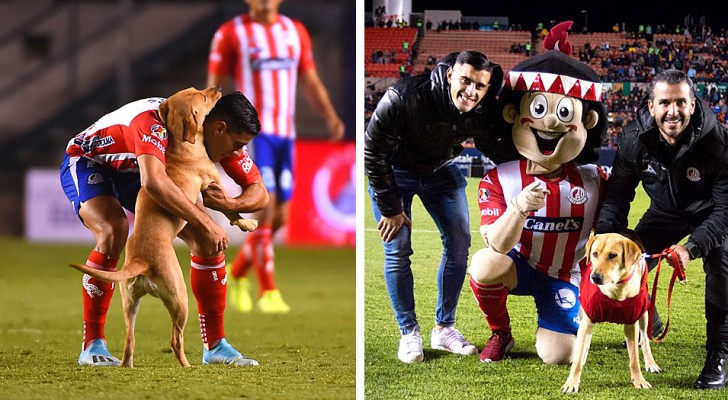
<point>450,339</point>
<point>410,347</point>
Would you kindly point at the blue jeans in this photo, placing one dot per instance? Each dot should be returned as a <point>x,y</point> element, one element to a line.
<point>443,195</point>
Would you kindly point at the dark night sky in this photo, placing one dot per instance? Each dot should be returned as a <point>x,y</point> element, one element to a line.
<point>601,14</point>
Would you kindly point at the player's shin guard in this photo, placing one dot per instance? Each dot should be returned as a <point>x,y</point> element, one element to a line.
<point>97,296</point>
<point>492,302</point>
<point>209,285</point>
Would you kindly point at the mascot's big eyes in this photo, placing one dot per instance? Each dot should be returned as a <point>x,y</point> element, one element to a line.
<point>566,109</point>
<point>539,106</point>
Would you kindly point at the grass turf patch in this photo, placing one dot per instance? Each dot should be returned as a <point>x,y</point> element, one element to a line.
<point>307,354</point>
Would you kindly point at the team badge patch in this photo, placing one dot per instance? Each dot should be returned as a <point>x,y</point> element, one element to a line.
<point>577,195</point>
<point>159,131</point>
<point>483,195</point>
<point>95,179</point>
<point>693,174</point>
<point>565,298</point>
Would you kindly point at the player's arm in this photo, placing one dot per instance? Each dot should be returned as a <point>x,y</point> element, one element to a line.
<point>162,189</point>
<point>319,99</point>
<point>254,197</point>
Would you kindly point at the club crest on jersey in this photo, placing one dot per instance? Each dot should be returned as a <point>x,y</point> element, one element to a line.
<point>693,174</point>
<point>95,179</point>
<point>483,195</point>
<point>159,131</point>
<point>577,195</point>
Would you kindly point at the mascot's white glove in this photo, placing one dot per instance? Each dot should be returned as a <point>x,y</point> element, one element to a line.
<point>531,198</point>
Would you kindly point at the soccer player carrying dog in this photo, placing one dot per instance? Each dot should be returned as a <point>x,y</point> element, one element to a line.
<point>103,170</point>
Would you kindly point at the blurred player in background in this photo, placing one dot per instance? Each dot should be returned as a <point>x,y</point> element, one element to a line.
<point>102,172</point>
<point>266,53</point>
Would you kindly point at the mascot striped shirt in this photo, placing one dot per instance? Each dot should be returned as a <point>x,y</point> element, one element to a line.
<point>265,61</point>
<point>553,238</point>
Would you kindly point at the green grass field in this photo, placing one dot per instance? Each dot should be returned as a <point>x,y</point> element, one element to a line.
<point>308,354</point>
<point>522,375</point>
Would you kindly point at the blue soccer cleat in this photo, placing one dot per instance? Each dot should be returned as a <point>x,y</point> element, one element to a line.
<point>97,354</point>
<point>225,353</point>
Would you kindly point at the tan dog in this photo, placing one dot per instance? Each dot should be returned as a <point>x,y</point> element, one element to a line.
<point>151,265</point>
<point>613,289</point>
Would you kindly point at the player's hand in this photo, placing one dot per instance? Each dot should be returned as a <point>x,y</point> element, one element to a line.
<point>531,198</point>
<point>215,238</point>
<point>389,226</point>
<point>336,128</point>
<point>215,197</point>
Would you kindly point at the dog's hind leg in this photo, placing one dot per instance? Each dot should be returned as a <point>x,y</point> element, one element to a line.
<point>650,364</point>
<point>131,295</point>
<point>630,335</point>
<point>175,300</point>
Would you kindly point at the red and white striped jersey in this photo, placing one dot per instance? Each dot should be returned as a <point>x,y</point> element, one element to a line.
<point>117,138</point>
<point>264,61</point>
<point>553,238</point>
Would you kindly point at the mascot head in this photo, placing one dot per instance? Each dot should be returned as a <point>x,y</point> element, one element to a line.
<point>553,102</point>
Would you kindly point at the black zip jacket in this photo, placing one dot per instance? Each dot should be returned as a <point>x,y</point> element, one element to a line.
<point>416,127</point>
<point>693,187</point>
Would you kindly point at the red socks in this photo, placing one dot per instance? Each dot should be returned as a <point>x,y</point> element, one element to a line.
<point>257,251</point>
<point>96,297</point>
<point>492,302</point>
<point>209,285</point>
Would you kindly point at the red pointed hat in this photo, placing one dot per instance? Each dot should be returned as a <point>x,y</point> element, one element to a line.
<point>555,71</point>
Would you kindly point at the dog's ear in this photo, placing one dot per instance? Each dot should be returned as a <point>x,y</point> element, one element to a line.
<point>190,126</point>
<point>163,110</point>
<point>588,248</point>
<point>631,252</point>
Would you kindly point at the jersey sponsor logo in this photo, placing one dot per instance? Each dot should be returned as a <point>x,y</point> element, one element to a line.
<point>483,195</point>
<point>155,142</point>
<point>273,64</point>
<point>693,174</point>
<point>246,164</point>
<point>95,142</point>
<point>553,224</point>
<point>577,195</point>
<point>565,298</point>
<point>490,212</point>
<point>95,179</point>
<point>159,131</point>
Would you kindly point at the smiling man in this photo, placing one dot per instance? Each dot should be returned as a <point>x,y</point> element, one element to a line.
<point>679,152</point>
<point>409,145</point>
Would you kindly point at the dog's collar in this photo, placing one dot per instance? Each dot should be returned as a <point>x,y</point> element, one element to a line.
<point>625,280</point>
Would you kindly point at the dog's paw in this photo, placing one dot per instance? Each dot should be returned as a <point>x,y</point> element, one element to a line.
<point>570,386</point>
<point>246,225</point>
<point>641,383</point>
<point>653,368</point>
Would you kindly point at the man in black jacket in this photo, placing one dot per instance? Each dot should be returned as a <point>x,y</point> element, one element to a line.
<point>680,153</point>
<point>410,141</point>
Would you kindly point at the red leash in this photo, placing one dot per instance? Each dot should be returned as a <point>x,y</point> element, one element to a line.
<point>678,273</point>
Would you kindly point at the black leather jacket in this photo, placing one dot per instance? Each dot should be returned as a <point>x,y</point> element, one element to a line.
<point>693,187</point>
<point>416,127</point>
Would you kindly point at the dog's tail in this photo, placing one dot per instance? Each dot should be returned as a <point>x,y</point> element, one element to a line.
<point>129,271</point>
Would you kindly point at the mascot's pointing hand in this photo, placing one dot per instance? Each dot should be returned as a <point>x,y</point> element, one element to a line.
<point>531,198</point>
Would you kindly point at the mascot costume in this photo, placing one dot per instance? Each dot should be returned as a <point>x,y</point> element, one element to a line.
<point>537,212</point>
